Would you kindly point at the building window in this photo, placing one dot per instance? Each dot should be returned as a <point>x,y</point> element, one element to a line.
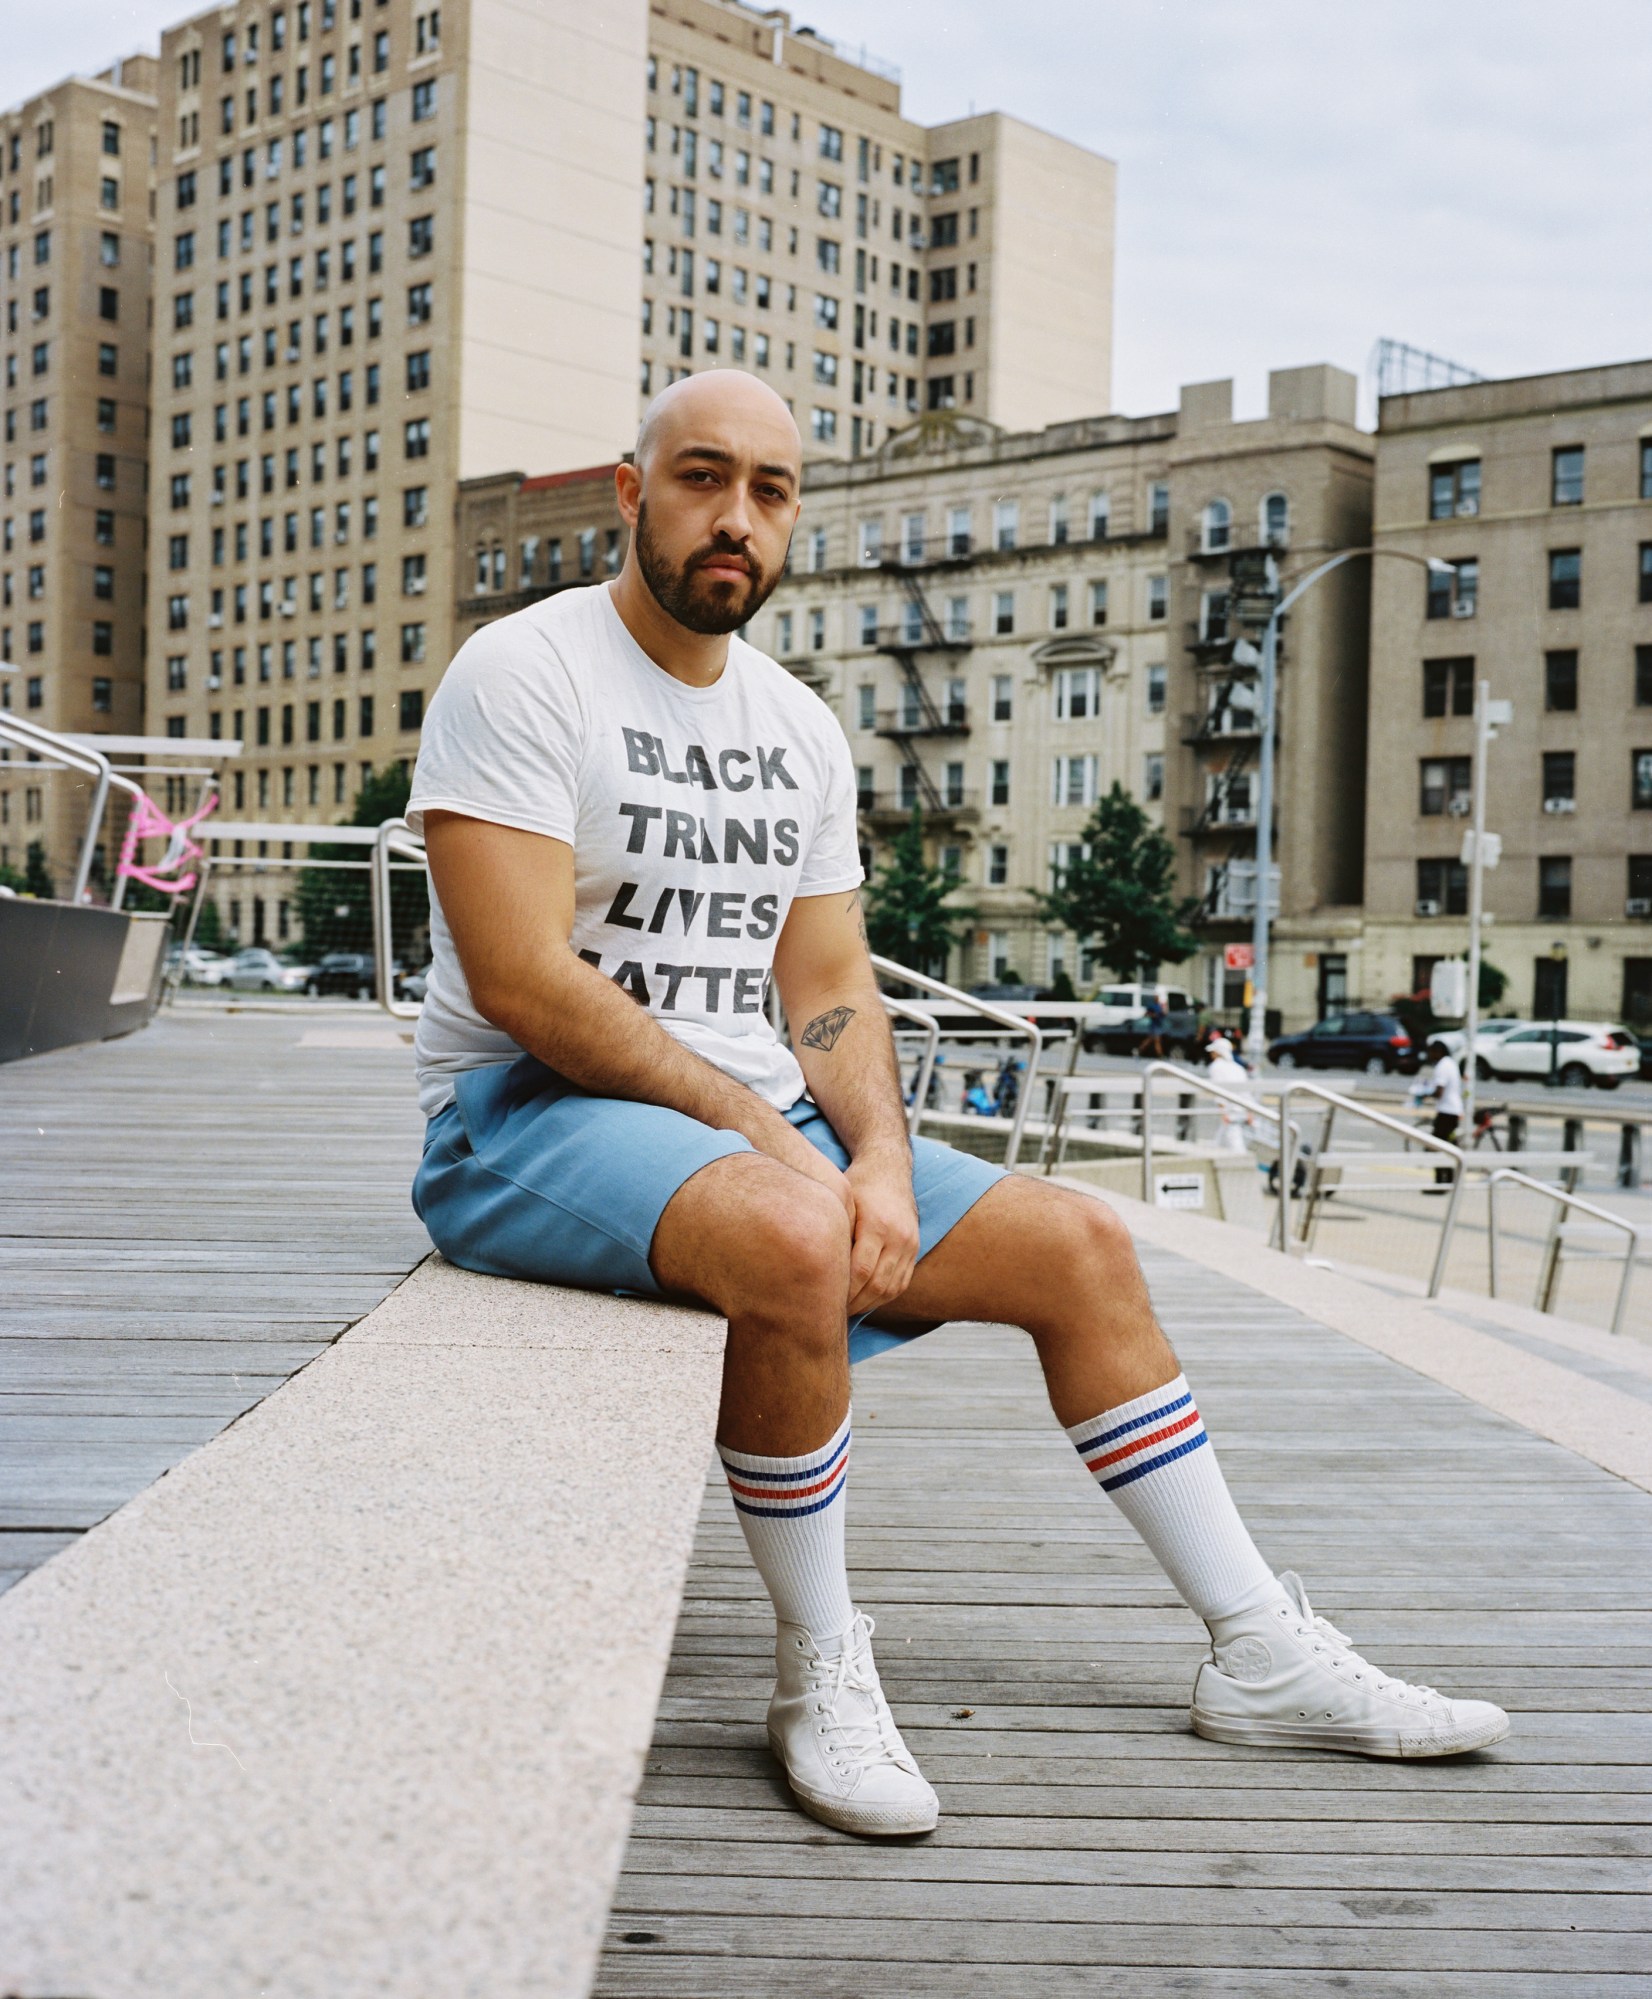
<point>1153,776</point>
<point>1566,485</point>
<point>1058,607</point>
<point>1218,527</point>
<point>1560,682</point>
<point>867,715</point>
<point>1000,786</point>
<point>416,438</point>
<point>998,865</point>
<point>957,531</point>
<point>1074,780</point>
<point>103,695</point>
<point>1006,523</point>
<point>1455,594</point>
<point>1003,695</point>
<point>413,645</point>
<point>1003,611</point>
<point>1454,490</point>
<point>1565,579</point>
<point>103,638</point>
<point>1158,598</point>
<point>1646,572</point>
<point>1554,886</point>
<point>1448,687</point>
<point>1445,784</point>
<point>1640,780</point>
<point>1643,676</point>
<point>412,707</point>
<point>1156,684</point>
<point>1442,888</point>
<point>1158,508</point>
<point>817,630</point>
<point>1559,779</point>
<point>957,617</point>
<point>1101,514</point>
<point>1077,693</point>
<point>1275,521</point>
<point>1058,520</point>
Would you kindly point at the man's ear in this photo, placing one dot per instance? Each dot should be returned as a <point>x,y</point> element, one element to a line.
<point>628,492</point>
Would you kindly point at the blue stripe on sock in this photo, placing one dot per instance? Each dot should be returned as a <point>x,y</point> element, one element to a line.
<point>794,1512</point>
<point>1153,1464</point>
<point>1135,1423</point>
<point>785,1477</point>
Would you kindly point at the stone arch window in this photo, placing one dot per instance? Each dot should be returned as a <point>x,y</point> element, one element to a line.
<point>1275,520</point>
<point>1218,527</point>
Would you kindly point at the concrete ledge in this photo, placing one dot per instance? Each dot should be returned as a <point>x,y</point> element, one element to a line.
<point>356,1700</point>
<point>1600,1423</point>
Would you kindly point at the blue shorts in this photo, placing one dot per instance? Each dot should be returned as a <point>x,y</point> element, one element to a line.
<point>525,1175</point>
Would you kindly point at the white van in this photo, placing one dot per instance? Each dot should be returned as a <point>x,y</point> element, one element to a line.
<point>1114,1005</point>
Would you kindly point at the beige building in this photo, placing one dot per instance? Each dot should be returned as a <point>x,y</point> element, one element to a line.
<point>1008,623</point>
<point>1539,492</point>
<point>798,224</point>
<point>396,246</point>
<point>76,181</point>
<point>1281,491</point>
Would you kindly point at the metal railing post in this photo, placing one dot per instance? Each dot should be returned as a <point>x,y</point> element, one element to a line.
<point>1629,1156</point>
<point>1548,1275</point>
<point>393,835</point>
<point>1147,1076</point>
<point>1287,1165</point>
<point>1491,1236</point>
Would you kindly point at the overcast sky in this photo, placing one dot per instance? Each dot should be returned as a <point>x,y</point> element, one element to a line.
<point>1296,177</point>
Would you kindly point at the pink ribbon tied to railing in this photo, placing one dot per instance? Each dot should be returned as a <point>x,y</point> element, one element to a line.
<point>146,821</point>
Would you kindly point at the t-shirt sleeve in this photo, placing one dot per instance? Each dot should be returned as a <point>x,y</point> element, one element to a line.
<point>832,864</point>
<point>503,738</point>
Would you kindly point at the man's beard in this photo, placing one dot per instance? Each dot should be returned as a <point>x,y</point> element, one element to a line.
<point>711,608</point>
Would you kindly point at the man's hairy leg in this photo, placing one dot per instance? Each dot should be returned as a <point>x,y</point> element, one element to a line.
<point>768,1249</point>
<point>1063,1267</point>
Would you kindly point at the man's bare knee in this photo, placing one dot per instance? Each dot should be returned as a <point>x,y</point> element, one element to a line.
<point>747,1233</point>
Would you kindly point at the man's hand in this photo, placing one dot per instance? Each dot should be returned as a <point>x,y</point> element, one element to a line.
<point>886,1228</point>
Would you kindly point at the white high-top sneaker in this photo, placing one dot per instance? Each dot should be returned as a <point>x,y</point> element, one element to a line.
<point>1280,1677</point>
<point>831,1728</point>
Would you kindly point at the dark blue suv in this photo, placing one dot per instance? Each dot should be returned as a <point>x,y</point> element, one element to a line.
<point>1374,1042</point>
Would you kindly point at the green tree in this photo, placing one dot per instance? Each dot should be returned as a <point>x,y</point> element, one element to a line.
<point>1494,983</point>
<point>37,877</point>
<point>10,878</point>
<point>334,906</point>
<point>907,916</point>
<point>209,927</point>
<point>1121,892</point>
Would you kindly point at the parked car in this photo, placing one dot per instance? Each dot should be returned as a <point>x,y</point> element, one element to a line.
<point>199,967</point>
<point>1119,1004</point>
<point>349,972</point>
<point>1374,1042</point>
<point>258,970</point>
<point>1645,1039</point>
<point>1584,1051</point>
<point>1456,1038</point>
<point>415,984</point>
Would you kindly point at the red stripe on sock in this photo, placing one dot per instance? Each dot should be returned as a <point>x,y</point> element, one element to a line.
<point>775,1493</point>
<point>1143,1443</point>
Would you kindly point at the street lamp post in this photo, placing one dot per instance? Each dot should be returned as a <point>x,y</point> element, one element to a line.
<point>1256,1039</point>
<point>1557,958</point>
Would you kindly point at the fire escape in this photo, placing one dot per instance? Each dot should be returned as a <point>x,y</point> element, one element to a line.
<point>919,718</point>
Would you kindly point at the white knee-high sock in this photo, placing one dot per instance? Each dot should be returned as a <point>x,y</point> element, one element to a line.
<point>792,1511</point>
<point>1153,1460</point>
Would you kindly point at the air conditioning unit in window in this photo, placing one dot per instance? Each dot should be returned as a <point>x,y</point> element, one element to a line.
<point>1638,905</point>
<point>1427,907</point>
<point>214,682</point>
<point>288,610</point>
<point>215,619</point>
<point>1459,807</point>
<point>1468,506</point>
<point>1462,607</point>
<point>1560,805</point>
<point>217,499</point>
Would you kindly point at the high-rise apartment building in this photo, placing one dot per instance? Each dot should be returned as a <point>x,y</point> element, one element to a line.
<point>397,245</point>
<point>797,224</point>
<point>1538,493</point>
<point>76,180</point>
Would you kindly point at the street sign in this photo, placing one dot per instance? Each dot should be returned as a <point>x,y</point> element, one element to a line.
<point>1239,957</point>
<point>1490,853</point>
<point>1448,989</point>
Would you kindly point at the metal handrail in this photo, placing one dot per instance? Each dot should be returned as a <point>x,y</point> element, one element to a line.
<point>926,1062</point>
<point>1409,1132</point>
<point>1013,1023</point>
<point>1191,1080</point>
<point>90,763</point>
<point>394,836</point>
<point>1549,1272</point>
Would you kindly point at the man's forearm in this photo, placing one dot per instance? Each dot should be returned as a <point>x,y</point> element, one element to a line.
<point>583,1026</point>
<point>848,1056</point>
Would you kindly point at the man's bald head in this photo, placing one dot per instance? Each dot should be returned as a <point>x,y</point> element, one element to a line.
<point>706,407</point>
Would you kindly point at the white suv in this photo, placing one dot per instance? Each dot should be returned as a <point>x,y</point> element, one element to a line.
<point>1588,1051</point>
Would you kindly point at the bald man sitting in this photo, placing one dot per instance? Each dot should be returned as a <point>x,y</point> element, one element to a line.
<point>635,820</point>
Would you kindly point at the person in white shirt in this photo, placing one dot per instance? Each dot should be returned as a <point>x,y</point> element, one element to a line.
<point>1227,1072</point>
<point>1444,1090</point>
<point>635,820</point>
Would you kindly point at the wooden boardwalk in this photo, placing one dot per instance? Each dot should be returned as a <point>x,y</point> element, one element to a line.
<point>1041,1667</point>
<point>190,1215</point>
<point>186,1216</point>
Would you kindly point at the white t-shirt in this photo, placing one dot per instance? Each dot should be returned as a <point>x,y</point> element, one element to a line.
<point>695,814</point>
<point>1446,1087</point>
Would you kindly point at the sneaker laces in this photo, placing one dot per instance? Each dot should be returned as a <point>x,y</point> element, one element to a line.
<point>867,1739</point>
<point>1312,1626</point>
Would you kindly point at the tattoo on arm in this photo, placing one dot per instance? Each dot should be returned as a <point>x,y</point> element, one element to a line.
<point>860,917</point>
<point>823,1031</point>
